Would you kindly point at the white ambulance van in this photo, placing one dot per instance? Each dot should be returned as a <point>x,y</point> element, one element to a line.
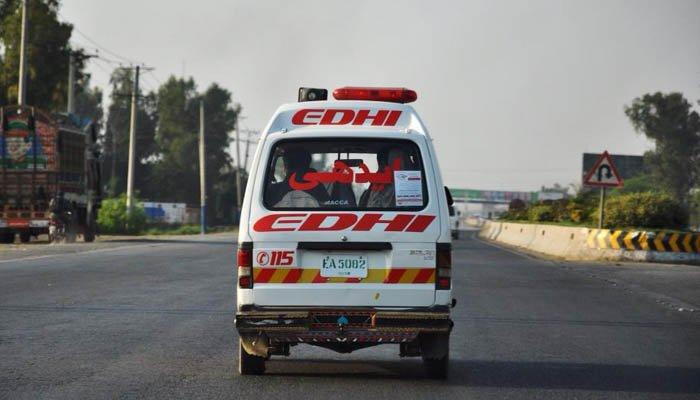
<point>344,238</point>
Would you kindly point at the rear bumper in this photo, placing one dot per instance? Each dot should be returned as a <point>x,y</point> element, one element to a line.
<point>343,325</point>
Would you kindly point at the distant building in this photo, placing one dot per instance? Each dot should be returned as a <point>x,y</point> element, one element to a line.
<point>486,203</point>
<point>556,192</point>
<point>170,213</point>
<point>551,195</point>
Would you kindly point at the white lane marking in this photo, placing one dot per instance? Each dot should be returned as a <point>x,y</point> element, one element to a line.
<point>524,255</point>
<point>31,258</point>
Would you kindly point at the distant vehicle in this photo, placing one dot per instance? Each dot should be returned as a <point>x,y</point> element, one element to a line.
<point>49,176</point>
<point>344,240</point>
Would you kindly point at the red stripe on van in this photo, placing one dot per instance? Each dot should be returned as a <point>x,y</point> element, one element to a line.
<point>318,278</point>
<point>265,275</point>
<point>394,275</point>
<point>424,275</point>
<point>292,276</point>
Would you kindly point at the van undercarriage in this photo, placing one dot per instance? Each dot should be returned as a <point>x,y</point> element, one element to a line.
<point>419,332</point>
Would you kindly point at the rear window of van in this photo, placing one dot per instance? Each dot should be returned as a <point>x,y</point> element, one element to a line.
<point>345,174</point>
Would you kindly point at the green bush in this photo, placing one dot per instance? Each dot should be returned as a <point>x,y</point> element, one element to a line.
<point>695,209</point>
<point>540,213</point>
<point>647,210</point>
<point>113,218</point>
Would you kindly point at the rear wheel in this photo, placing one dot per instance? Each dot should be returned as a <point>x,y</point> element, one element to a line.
<point>249,364</point>
<point>25,237</point>
<point>71,228</point>
<point>90,225</point>
<point>89,234</point>
<point>435,350</point>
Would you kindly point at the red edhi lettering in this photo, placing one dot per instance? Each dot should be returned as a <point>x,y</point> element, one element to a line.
<point>342,116</point>
<point>321,222</point>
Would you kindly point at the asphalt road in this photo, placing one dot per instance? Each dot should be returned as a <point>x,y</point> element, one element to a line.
<point>155,319</point>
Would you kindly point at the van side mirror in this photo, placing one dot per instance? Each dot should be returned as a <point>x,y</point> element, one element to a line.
<point>449,197</point>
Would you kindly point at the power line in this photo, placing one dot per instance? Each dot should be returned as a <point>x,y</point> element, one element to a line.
<point>149,84</point>
<point>99,46</point>
<point>98,65</point>
<point>153,74</point>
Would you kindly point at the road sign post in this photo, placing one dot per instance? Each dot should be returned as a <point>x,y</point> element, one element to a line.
<point>601,211</point>
<point>603,175</point>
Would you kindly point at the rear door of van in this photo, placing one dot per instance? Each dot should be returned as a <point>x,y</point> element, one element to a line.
<point>340,219</point>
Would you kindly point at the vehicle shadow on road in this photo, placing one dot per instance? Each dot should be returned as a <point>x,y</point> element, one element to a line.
<point>509,374</point>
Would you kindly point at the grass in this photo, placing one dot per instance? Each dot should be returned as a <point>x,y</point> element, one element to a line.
<point>593,226</point>
<point>182,230</point>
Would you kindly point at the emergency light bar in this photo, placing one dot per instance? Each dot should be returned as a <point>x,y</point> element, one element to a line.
<point>393,95</point>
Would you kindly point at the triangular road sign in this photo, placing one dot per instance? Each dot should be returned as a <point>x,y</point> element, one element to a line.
<point>603,173</point>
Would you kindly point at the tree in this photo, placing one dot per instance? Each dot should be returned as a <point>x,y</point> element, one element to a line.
<point>88,102</point>
<point>638,184</point>
<point>669,121</point>
<point>47,54</point>
<point>176,173</point>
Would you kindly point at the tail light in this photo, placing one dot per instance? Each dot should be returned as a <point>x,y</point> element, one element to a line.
<point>443,265</point>
<point>244,260</point>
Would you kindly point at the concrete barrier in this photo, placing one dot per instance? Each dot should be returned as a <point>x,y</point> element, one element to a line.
<point>574,243</point>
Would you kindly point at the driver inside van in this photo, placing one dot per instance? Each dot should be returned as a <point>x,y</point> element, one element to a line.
<point>297,161</point>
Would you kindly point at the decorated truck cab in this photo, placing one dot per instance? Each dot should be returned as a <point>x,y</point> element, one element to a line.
<point>345,234</point>
<point>49,176</point>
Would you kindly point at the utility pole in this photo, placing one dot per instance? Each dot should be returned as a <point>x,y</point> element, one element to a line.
<point>238,169</point>
<point>247,147</point>
<point>113,179</point>
<point>70,106</point>
<point>202,173</point>
<point>22,88</point>
<point>132,143</point>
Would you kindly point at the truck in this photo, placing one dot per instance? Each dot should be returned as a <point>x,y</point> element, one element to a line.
<point>49,176</point>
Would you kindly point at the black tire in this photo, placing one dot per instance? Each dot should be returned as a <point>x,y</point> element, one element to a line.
<point>25,237</point>
<point>7,237</point>
<point>435,350</point>
<point>89,234</point>
<point>90,224</point>
<point>70,237</point>
<point>249,364</point>
<point>437,368</point>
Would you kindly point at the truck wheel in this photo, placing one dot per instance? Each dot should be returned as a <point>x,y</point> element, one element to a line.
<point>435,350</point>
<point>249,364</point>
<point>89,234</point>
<point>7,237</point>
<point>25,237</point>
<point>70,237</point>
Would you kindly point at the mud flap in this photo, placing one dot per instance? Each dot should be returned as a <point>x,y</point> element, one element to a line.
<point>258,345</point>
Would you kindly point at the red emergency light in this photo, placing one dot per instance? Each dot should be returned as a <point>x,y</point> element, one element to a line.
<point>393,95</point>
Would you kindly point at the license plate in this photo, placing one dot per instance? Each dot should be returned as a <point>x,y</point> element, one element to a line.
<point>344,266</point>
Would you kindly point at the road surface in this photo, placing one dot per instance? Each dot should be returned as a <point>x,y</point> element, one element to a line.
<point>154,319</point>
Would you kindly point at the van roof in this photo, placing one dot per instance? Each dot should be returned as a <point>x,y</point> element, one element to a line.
<point>346,115</point>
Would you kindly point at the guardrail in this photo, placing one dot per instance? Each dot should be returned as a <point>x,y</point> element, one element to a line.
<point>644,240</point>
<point>596,244</point>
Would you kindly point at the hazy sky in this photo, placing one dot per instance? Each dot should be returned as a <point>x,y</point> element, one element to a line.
<point>512,91</point>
